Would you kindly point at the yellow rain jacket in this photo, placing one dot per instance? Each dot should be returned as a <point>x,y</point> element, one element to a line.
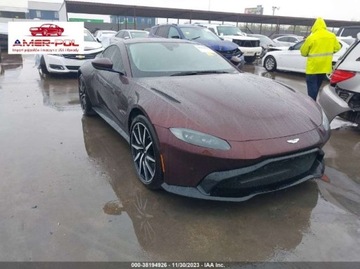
<point>319,47</point>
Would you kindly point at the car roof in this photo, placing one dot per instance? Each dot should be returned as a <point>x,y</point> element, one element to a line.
<point>156,40</point>
<point>181,25</point>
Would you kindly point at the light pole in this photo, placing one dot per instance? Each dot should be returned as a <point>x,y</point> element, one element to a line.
<point>275,8</point>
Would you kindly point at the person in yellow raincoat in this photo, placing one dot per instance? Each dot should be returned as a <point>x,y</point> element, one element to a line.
<point>319,48</point>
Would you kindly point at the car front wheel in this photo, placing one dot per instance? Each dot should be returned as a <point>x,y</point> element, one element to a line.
<point>43,68</point>
<point>270,63</point>
<point>145,152</point>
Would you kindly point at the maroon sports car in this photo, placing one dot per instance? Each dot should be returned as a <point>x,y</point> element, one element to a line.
<point>199,127</point>
<point>47,30</point>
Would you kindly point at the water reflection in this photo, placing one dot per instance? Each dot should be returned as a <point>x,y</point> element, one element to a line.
<point>9,62</point>
<point>170,227</point>
<point>342,155</point>
<point>59,92</point>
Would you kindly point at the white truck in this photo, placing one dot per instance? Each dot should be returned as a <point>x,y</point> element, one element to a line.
<point>250,46</point>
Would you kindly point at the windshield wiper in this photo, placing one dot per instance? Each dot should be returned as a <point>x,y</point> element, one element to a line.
<point>195,38</point>
<point>191,73</point>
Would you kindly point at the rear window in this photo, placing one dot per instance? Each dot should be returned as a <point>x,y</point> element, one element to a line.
<point>350,31</point>
<point>351,59</point>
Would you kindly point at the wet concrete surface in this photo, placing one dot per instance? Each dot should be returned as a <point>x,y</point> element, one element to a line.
<point>69,192</point>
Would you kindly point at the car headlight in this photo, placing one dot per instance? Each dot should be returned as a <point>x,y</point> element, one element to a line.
<point>200,139</point>
<point>325,121</point>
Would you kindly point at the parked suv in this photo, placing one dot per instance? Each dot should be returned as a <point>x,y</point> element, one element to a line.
<point>250,46</point>
<point>348,31</point>
<point>201,35</point>
<point>342,96</point>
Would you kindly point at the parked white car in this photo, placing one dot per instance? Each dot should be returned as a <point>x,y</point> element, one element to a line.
<point>291,59</point>
<point>103,36</point>
<point>69,63</point>
<point>250,46</point>
<point>128,34</point>
<point>287,40</point>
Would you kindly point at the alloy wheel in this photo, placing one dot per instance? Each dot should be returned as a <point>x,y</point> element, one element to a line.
<point>142,148</point>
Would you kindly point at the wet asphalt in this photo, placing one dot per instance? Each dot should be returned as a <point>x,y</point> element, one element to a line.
<point>68,191</point>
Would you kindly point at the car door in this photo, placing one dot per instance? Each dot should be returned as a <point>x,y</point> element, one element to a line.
<point>115,86</point>
<point>101,83</point>
<point>291,59</point>
<point>52,29</point>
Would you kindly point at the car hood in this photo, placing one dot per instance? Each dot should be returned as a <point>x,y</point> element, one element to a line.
<point>221,45</point>
<point>92,45</point>
<point>235,107</point>
<point>240,37</point>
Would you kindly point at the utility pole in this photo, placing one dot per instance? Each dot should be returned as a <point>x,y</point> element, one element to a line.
<point>275,8</point>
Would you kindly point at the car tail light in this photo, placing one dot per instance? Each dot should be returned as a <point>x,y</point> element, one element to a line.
<point>341,75</point>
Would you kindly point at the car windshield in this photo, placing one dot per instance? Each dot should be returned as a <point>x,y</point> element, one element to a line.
<point>88,36</point>
<point>229,30</point>
<point>193,33</point>
<point>139,34</point>
<point>171,59</point>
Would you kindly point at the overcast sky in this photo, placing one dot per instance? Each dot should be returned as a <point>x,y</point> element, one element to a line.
<point>336,10</point>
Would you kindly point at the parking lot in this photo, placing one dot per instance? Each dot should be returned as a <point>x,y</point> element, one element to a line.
<point>69,191</point>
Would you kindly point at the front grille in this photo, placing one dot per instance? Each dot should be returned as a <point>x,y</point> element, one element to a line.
<point>247,43</point>
<point>228,54</point>
<point>81,56</point>
<point>268,177</point>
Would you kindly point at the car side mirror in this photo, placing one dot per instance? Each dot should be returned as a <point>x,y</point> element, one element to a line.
<point>291,48</point>
<point>98,40</point>
<point>104,64</point>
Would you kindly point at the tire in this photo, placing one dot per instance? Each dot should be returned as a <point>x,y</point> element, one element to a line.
<point>250,59</point>
<point>59,33</point>
<point>85,102</point>
<point>33,34</point>
<point>43,67</point>
<point>270,63</point>
<point>145,152</point>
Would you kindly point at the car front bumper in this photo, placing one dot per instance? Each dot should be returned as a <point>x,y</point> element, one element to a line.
<point>248,168</point>
<point>267,176</point>
<point>68,63</point>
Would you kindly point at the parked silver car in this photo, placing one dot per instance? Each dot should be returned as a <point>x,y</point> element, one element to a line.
<point>342,96</point>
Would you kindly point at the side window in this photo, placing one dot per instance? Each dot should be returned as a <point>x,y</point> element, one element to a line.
<point>126,35</point>
<point>162,31</point>
<point>113,53</point>
<point>120,34</point>
<point>173,33</point>
<point>298,45</point>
